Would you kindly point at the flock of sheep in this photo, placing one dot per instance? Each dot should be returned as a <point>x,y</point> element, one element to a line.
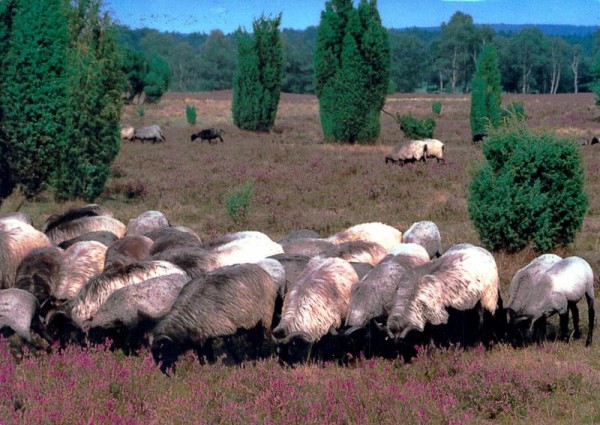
<point>154,134</point>
<point>86,276</point>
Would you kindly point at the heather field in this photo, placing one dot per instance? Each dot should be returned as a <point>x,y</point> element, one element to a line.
<point>301,183</point>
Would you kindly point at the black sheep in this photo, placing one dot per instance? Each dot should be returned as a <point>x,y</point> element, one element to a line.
<point>208,134</point>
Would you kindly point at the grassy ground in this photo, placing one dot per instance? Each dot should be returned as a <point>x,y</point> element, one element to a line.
<point>300,182</point>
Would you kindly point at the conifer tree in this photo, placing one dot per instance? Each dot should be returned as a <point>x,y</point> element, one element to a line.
<point>257,79</point>
<point>486,90</point>
<point>352,65</point>
<point>94,97</point>
<point>33,94</point>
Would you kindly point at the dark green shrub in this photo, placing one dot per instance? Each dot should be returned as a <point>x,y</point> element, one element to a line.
<point>529,190</point>
<point>190,114</point>
<point>141,111</point>
<point>436,108</point>
<point>415,128</point>
<point>238,201</point>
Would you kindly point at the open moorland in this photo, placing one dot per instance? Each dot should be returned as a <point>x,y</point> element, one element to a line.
<point>299,182</point>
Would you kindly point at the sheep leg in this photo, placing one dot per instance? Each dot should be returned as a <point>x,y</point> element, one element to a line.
<point>591,319</point>
<point>575,314</point>
<point>539,330</point>
<point>564,326</point>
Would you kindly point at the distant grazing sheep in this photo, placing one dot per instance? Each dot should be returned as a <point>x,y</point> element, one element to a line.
<point>127,132</point>
<point>233,299</point>
<point>434,149</point>
<point>557,289</point>
<point>152,133</point>
<point>405,152</point>
<point>208,134</point>
<point>17,239</point>
<point>478,138</point>
<point>426,234</point>
<point>383,234</point>
<point>463,278</point>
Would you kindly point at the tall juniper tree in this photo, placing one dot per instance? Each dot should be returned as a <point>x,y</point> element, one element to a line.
<point>34,90</point>
<point>486,96</point>
<point>352,67</point>
<point>94,99</point>
<point>257,79</point>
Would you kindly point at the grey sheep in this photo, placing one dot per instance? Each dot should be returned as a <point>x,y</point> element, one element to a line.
<point>231,299</point>
<point>152,133</point>
<point>426,234</point>
<point>146,222</point>
<point>558,289</point>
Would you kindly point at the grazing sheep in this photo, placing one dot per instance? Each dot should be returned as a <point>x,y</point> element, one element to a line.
<point>172,238</point>
<point>84,306</point>
<point>127,132</point>
<point>299,234</point>
<point>129,250</point>
<point>594,141</point>
<point>81,261</point>
<point>384,235</point>
<point>146,222</point>
<point>131,312</point>
<point>310,247</point>
<point>434,149</point>
<point>246,250</point>
<point>18,215</point>
<point>358,251</point>
<point>17,311</point>
<point>405,152</point>
<point>228,300</point>
<point>208,134</point>
<point>557,289</point>
<point>103,236</point>
<point>314,306</point>
<point>426,234</point>
<point>479,137</point>
<point>17,239</point>
<point>89,210</point>
<point>230,237</point>
<point>293,264</point>
<point>195,261</point>
<point>151,133</point>
<point>462,279</point>
<point>39,271</point>
<point>80,226</point>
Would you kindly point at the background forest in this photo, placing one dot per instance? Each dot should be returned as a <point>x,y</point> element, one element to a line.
<point>532,59</point>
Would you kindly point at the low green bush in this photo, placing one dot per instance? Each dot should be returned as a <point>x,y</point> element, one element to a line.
<point>190,114</point>
<point>416,128</point>
<point>436,107</point>
<point>238,202</point>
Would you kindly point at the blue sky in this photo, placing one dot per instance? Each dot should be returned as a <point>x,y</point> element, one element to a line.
<point>227,15</point>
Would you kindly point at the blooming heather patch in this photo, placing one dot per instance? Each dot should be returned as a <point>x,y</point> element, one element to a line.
<point>95,385</point>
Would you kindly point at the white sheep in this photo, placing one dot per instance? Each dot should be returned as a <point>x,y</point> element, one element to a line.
<point>404,152</point>
<point>383,234</point>
<point>558,289</point>
<point>435,149</point>
<point>462,278</point>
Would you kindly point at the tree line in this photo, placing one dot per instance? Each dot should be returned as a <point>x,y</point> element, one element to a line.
<point>531,59</point>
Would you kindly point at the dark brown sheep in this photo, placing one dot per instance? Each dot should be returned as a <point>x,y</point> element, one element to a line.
<point>39,272</point>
